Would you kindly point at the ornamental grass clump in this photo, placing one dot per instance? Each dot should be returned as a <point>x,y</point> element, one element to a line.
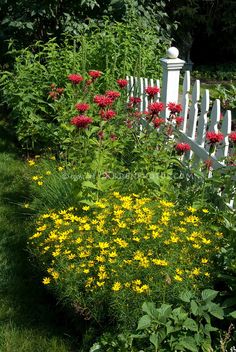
<point>107,258</point>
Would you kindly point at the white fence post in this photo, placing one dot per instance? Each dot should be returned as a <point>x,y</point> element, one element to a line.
<point>170,78</point>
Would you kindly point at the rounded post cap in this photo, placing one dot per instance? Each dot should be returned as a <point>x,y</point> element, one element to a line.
<point>172,53</point>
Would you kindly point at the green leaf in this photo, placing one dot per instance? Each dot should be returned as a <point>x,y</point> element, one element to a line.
<point>149,308</point>
<point>190,324</point>
<point>206,345</point>
<point>209,328</point>
<point>144,322</point>
<point>89,184</point>
<point>216,311</point>
<point>194,308</point>
<point>185,296</point>
<point>188,342</point>
<point>165,310</point>
<point>154,340</point>
<point>209,294</point>
<point>233,314</point>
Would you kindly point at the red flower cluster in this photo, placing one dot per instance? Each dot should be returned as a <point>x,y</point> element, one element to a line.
<point>112,94</point>
<point>81,121</point>
<point>102,100</point>
<point>122,83</point>
<point>182,147</point>
<point>107,114</point>
<point>101,135</point>
<point>174,108</point>
<point>152,91</point>
<point>56,92</point>
<point>158,122</point>
<point>232,137</point>
<point>82,107</point>
<point>155,108</point>
<point>129,123</point>
<point>75,78</point>
<point>214,137</point>
<point>113,137</point>
<point>179,120</point>
<point>133,101</point>
<point>95,74</point>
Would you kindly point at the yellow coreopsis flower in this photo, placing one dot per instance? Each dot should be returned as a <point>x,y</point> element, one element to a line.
<point>116,287</point>
<point>46,280</point>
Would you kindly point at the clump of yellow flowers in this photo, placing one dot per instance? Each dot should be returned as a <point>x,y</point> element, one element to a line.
<point>125,249</point>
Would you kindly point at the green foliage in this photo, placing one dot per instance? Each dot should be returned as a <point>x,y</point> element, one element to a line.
<point>186,327</point>
<point>117,49</point>
<point>26,22</point>
<point>223,72</point>
<point>227,96</point>
<point>28,317</point>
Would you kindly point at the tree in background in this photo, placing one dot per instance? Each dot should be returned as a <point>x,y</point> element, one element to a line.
<point>26,22</point>
<point>206,29</point>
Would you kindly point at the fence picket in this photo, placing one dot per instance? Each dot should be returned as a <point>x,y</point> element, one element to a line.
<point>185,100</point>
<point>225,129</point>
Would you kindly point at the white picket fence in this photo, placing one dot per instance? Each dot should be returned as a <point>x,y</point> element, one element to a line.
<point>198,112</point>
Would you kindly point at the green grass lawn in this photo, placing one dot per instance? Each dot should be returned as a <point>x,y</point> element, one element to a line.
<point>30,320</point>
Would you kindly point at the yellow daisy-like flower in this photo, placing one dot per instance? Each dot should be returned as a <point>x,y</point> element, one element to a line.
<point>46,280</point>
<point>48,173</point>
<point>178,278</point>
<point>31,162</point>
<point>40,183</point>
<point>55,275</point>
<point>116,287</point>
<point>35,178</point>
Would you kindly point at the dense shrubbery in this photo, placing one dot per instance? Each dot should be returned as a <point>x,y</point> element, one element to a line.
<point>39,117</point>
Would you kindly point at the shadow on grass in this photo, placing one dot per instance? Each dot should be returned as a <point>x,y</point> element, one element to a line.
<point>27,309</point>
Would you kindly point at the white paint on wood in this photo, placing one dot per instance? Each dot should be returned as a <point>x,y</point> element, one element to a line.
<point>170,82</point>
<point>185,100</point>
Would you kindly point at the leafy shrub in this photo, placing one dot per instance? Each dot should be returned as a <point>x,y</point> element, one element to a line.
<point>117,48</point>
<point>187,327</point>
<point>122,250</point>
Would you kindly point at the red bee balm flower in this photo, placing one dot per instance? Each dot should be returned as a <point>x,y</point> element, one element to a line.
<point>173,107</point>
<point>158,122</point>
<point>82,107</point>
<point>135,100</point>
<point>152,91</point>
<point>95,74</point>
<point>102,101</point>
<point>232,137</point>
<point>60,90</point>
<point>155,108</point>
<point>101,135</point>
<point>107,114</point>
<point>179,120</point>
<point>214,137</point>
<point>182,147</point>
<point>75,78</point>
<point>112,94</point>
<point>81,121</point>
<point>122,83</point>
